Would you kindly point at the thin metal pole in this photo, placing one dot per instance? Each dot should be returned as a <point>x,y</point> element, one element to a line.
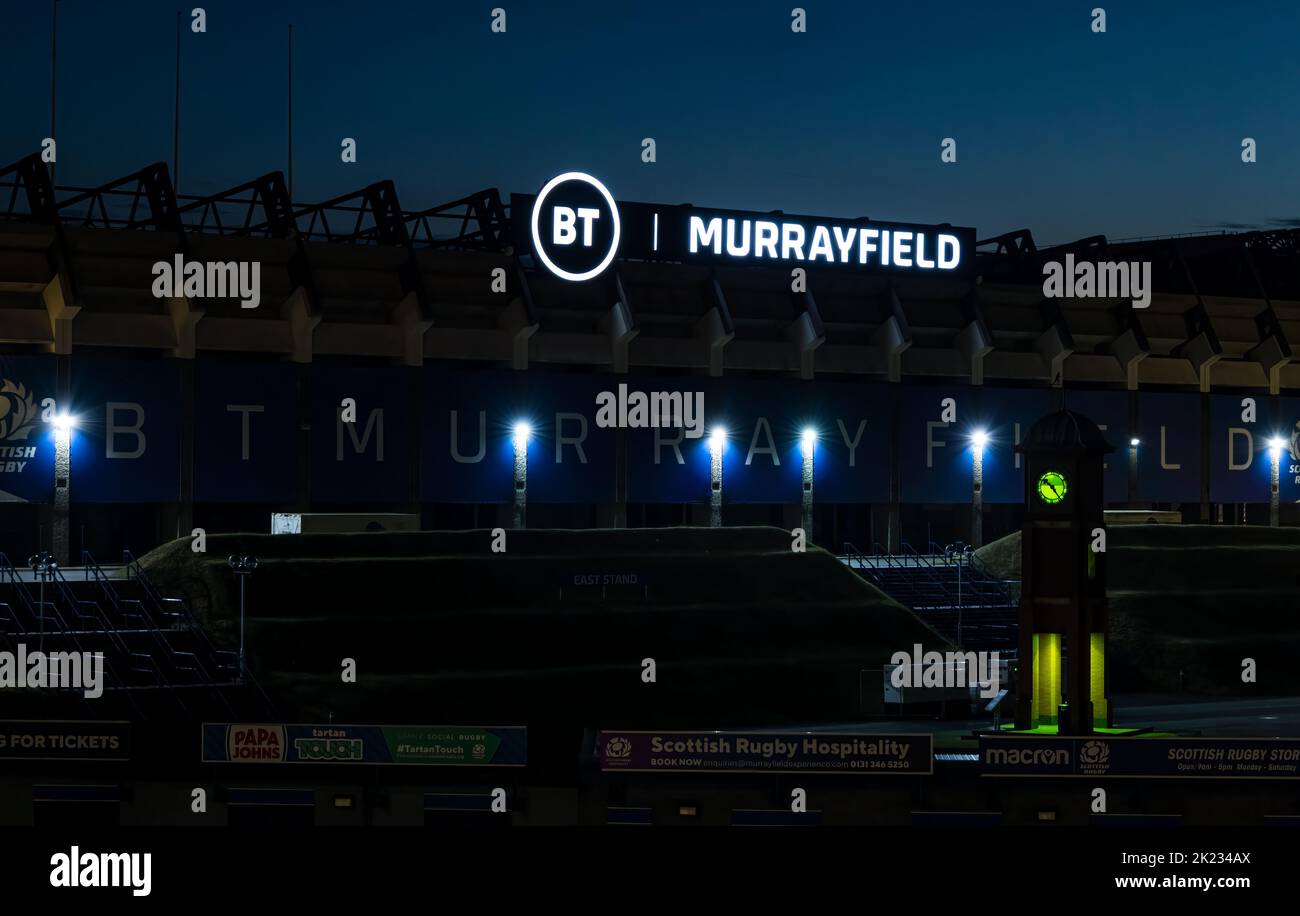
<point>176,117</point>
<point>54,57</point>
<point>291,113</point>
<point>242,579</point>
<point>960,556</point>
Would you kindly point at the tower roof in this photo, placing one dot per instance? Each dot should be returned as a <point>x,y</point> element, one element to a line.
<point>1065,431</point>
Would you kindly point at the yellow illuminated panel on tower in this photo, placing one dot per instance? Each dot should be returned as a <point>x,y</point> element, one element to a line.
<point>1047,677</point>
<point>1097,673</point>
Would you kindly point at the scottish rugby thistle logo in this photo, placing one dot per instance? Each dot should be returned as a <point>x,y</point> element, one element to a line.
<point>1095,753</point>
<point>17,411</point>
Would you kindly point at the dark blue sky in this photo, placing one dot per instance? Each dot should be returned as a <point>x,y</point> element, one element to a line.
<point>1133,132</point>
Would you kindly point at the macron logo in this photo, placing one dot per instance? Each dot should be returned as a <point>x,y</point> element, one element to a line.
<point>103,869</point>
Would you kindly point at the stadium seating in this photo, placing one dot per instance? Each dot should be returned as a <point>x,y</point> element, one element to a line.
<point>961,601</point>
<point>158,662</point>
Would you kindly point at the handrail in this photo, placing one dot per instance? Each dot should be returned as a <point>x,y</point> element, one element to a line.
<point>147,586</point>
<point>853,554</point>
<point>924,562</point>
<point>61,589</point>
<point>106,629</point>
<point>920,558</point>
<point>62,628</point>
<point>135,569</point>
<point>882,551</point>
<point>151,627</point>
<point>99,576</point>
<point>34,607</point>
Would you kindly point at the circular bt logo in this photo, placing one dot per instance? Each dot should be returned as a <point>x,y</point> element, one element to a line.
<point>575,226</point>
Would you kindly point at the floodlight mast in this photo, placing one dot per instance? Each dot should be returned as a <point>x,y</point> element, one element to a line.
<point>808,441</point>
<point>64,423</point>
<point>523,432</point>
<point>717,445</point>
<point>979,439</point>
<point>1275,446</point>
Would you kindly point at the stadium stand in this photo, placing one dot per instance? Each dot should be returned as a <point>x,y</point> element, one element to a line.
<point>742,630</point>
<point>961,600</point>
<point>360,279</point>
<point>158,662</point>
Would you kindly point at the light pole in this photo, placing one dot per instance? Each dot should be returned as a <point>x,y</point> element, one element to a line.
<point>63,424</point>
<point>522,433</point>
<point>809,446</point>
<point>44,567</point>
<point>717,443</point>
<point>243,567</point>
<point>979,439</point>
<point>1275,446</point>
<point>1133,444</point>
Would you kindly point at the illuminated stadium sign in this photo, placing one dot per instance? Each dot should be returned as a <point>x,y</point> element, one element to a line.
<point>574,226</point>
<point>742,238</point>
<point>575,229</point>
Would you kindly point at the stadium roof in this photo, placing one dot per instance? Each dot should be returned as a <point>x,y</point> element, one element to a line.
<point>361,277</point>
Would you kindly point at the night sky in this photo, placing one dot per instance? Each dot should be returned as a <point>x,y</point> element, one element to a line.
<point>1134,132</point>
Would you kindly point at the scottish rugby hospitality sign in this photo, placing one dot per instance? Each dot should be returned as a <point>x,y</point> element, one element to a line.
<point>764,752</point>
<point>575,229</point>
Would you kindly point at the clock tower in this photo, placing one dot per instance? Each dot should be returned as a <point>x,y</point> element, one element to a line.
<point>1063,625</point>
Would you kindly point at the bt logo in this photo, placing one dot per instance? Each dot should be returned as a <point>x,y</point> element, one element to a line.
<point>575,226</point>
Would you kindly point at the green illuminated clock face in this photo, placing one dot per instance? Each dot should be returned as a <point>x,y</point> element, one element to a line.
<point>1052,487</point>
